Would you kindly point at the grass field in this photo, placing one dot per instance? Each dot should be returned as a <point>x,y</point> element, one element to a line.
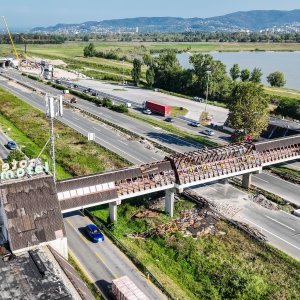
<point>228,265</point>
<point>74,153</point>
<point>112,70</point>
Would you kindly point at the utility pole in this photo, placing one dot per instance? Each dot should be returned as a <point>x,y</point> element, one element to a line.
<point>208,73</point>
<point>54,106</point>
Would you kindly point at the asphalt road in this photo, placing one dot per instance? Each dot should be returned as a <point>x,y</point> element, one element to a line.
<point>133,151</point>
<point>141,95</point>
<point>110,139</point>
<point>281,229</point>
<point>3,141</point>
<point>103,261</point>
<point>154,133</point>
<point>288,191</point>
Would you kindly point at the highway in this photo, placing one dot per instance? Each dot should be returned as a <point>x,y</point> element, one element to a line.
<point>281,229</point>
<point>143,129</point>
<point>273,184</point>
<point>132,150</point>
<point>132,124</point>
<point>140,95</point>
<point>103,261</point>
<point>136,153</point>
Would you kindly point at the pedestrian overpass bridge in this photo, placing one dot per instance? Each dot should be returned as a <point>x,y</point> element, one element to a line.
<point>175,172</point>
<point>31,209</point>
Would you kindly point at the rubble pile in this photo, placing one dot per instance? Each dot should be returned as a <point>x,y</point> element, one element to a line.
<point>252,231</point>
<point>194,222</point>
<point>146,213</point>
<point>263,201</point>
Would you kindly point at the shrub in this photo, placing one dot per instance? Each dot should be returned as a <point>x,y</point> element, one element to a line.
<point>289,107</point>
<point>120,108</point>
<point>106,102</point>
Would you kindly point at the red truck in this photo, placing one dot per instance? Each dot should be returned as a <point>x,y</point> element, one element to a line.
<point>164,110</point>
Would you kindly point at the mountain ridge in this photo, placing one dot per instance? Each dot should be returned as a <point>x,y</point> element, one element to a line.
<point>255,20</point>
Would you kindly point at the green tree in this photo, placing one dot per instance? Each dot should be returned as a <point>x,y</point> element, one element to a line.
<point>256,75</point>
<point>245,75</point>
<point>148,60</point>
<point>235,72</point>
<point>150,76</point>
<point>89,50</point>
<point>86,38</point>
<point>219,82</point>
<point>276,79</point>
<point>248,108</point>
<point>136,71</point>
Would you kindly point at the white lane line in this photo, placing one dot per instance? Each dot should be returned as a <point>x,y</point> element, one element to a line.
<point>272,233</point>
<point>123,142</point>
<point>77,119</point>
<point>261,179</point>
<point>97,129</point>
<point>121,150</point>
<point>280,223</point>
<point>153,158</point>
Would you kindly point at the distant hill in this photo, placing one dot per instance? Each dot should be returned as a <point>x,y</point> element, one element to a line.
<point>256,20</point>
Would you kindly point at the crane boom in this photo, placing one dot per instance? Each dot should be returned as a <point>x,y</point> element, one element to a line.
<point>10,37</point>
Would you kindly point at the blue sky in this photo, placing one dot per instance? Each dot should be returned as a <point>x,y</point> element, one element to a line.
<point>30,13</point>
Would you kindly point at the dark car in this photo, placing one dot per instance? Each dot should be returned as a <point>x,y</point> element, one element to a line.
<point>195,124</point>
<point>169,119</point>
<point>11,145</point>
<point>94,233</point>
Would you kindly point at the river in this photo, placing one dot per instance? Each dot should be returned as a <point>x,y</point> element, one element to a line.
<point>269,61</point>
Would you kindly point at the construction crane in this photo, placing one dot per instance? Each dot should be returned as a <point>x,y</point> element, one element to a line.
<point>11,39</point>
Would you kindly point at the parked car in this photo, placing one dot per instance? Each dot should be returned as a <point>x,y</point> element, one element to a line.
<point>11,145</point>
<point>94,233</point>
<point>147,112</point>
<point>194,124</point>
<point>170,119</point>
<point>198,99</point>
<point>208,132</point>
<point>296,212</point>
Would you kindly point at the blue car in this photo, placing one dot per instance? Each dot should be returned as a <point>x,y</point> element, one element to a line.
<point>11,145</point>
<point>94,233</point>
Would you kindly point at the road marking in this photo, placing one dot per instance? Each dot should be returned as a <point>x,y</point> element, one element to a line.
<point>76,118</point>
<point>102,261</point>
<point>261,179</point>
<point>97,129</point>
<point>298,248</point>
<point>153,158</point>
<point>280,223</point>
<point>123,142</point>
<point>121,150</point>
<point>70,223</point>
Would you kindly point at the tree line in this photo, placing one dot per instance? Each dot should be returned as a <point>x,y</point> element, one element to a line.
<point>33,38</point>
<point>241,90</point>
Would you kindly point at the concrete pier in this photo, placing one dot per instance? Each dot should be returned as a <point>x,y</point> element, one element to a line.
<point>169,202</point>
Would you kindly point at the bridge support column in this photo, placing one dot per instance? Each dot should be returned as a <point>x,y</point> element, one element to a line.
<point>169,202</point>
<point>246,182</point>
<point>113,210</point>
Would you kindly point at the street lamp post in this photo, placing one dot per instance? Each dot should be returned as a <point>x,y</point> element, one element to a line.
<point>208,73</point>
<point>123,71</point>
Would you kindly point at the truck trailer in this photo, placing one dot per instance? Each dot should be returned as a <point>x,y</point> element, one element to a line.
<point>164,110</point>
<point>124,289</point>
